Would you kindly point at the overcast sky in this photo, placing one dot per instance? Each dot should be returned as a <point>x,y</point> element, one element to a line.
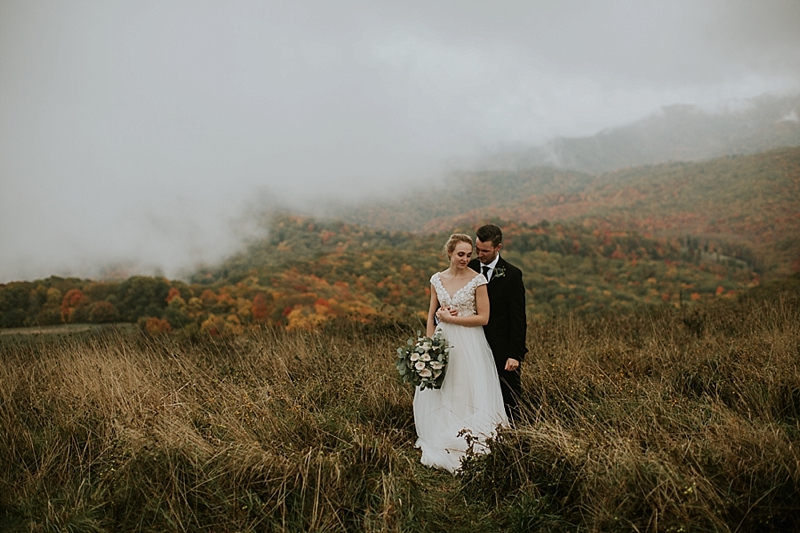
<point>145,130</point>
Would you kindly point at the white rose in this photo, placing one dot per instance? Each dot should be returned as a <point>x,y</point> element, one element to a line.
<point>419,365</point>
<point>436,365</point>
<point>425,373</point>
<point>414,356</point>
<point>425,357</point>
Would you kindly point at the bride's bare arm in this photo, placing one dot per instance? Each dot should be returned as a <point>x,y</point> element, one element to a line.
<point>431,327</point>
<point>479,319</point>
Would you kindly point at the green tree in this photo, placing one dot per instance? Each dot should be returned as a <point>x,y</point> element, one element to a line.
<point>141,296</point>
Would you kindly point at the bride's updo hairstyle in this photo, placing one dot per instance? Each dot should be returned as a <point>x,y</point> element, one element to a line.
<point>453,241</point>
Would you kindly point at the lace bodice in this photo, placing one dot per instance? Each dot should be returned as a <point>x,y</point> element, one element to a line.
<point>464,299</point>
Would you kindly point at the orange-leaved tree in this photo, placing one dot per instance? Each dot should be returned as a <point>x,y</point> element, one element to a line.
<point>71,301</point>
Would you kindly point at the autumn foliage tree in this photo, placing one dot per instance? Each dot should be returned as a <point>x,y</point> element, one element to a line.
<point>71,301</point>
<point>101,312</point>
<point>260,310</point>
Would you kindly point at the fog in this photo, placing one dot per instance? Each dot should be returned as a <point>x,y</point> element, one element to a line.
<point>144,133</point>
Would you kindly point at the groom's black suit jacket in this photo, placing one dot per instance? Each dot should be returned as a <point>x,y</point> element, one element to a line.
<point>507,325</point>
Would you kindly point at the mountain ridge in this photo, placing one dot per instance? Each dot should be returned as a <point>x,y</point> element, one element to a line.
<point>675,133</point>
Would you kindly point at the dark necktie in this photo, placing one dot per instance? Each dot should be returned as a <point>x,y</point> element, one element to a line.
<point>485,271</point>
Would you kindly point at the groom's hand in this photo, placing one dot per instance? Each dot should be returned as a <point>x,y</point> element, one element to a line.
<point>443,313</point>
<point>511,364</point>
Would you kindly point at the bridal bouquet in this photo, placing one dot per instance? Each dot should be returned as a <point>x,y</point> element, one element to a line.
<point>423,362</point>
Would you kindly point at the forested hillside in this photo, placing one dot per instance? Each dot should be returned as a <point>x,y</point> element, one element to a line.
<point>748,207</point>
<point>465,193</point>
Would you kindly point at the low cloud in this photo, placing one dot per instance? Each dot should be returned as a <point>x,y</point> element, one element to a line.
<point>141,133</point>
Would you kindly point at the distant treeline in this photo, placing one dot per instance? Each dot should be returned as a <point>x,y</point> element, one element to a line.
<point>307,272</point>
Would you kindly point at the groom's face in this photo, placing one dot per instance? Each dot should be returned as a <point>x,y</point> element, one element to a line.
<point>486,252</point>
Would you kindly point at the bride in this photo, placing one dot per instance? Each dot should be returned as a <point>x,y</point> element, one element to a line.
<point>470,400</point>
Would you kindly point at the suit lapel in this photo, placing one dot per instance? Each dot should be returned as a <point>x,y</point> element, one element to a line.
<point>500,263</point>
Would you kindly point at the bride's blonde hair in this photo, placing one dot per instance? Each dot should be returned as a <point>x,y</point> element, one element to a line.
<point>453,241</point>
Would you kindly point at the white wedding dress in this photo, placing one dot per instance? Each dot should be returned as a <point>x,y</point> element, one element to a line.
<point>470,397</point>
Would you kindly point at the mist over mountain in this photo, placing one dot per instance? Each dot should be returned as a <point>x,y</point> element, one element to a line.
<point>676,133</point>
<point>669,234</point>
<point>564,166</point>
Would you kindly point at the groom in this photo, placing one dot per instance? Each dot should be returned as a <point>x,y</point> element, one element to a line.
<point>507,325</point>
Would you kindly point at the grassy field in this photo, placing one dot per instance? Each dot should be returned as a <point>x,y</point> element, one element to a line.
<point>656,421</point>
<point>66,329</point>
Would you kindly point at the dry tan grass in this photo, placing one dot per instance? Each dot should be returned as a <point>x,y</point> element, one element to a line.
<point>644,423</point>
<point>299,431</point>
<point>647,422</point>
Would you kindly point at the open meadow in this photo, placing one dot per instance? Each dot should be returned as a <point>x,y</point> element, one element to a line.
<point>658,420</point>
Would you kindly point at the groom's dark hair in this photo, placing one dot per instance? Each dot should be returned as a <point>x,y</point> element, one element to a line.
<point>490,232</point>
